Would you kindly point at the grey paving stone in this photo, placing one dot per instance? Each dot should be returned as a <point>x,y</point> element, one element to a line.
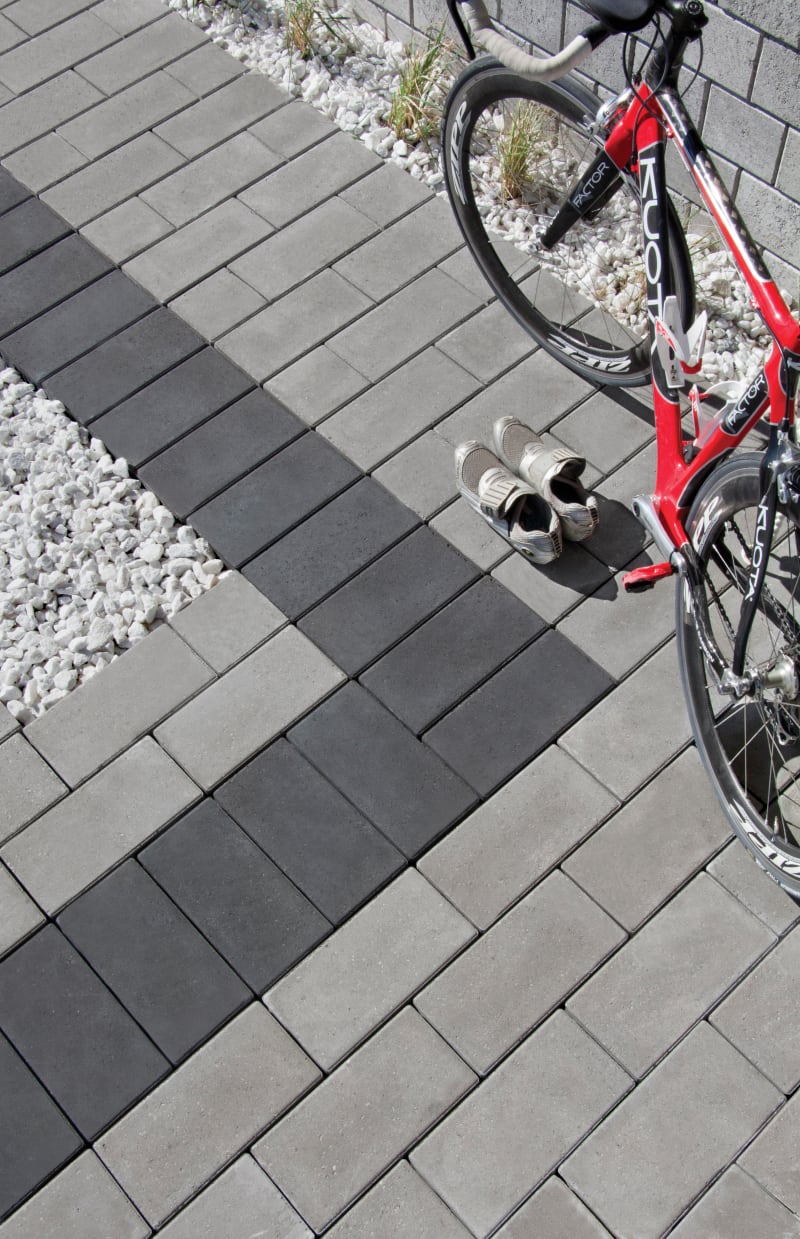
<point>126,115</point>
<point>238,899</point>
<point>82,1202</point>
<point>141,53</point>
<point>241,1202</point>
<point>45,161</point>
<point>548,943</point>
<point>485,1158</point>
<point>210,179</point>
<point>54,51</point>
<point>398,783</point>
<point>386,194</point>
<point>167,976</point>
<point>80,323</point>
<point>11,192</point>
<point>772,1158</point>
<point>264,505</point>
<point>19,915</point>
<point>36,1138</point>
<point>388,599</point>
<point>294,324</point>
<point>392,412</point>
<point>648,710</point>
<point>553,1210</point>
<point>316,385</point>
<point>736,1208</point>
<point>40,110</point>
<point>29,785</point>
<point>310,178</point>
<point>205,69</point>
<point>511,841</point>
<point>125,18</point>
<point>670,974</point>
<point>217,304</point>
<point>332,853</point>
<point>84,836</point>
<point>242,1079</point>
<point>293,128</point>
<point>607,429</point>
<point>421,475</point>
<point>123,365</point>
<point>107,181</point>
<point>252,703</point>
<point>227,622</point>
<point>620,537</point>
<point>46,279</point>
<point>471,535</point>
<point>330,546</point>
<point>475,739</point>
<point>27,229</point>
<point>403,325</point>
<point>171,406</point>
<point>196,250</point>
<point>34,16</point>
<point>636,861</point>
<point>362,1118</point>
<point>82,1044</point>
<point>735,869</point>
<point>227,111</point>
<point>338,995</point>
<point>555,589</point>
<point>8,724</point>
<point>86,729</point>
<point>642,1167</point>
<point>10,35</point>
<point>126,229</point>
<point>488,344</point>
<point>402,251</point>
<point>401,1205</point>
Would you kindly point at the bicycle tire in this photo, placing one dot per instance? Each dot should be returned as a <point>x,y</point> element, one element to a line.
<point>751,747</point>
<point>554,294</point>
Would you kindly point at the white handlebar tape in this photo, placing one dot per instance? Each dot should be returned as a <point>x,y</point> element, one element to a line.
<point>513,57</point>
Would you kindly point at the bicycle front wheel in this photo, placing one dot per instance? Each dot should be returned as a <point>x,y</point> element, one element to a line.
<point>750,746</point>
<point>512,151</point>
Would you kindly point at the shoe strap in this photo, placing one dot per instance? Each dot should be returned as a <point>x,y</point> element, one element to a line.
<point>498,491</point>
<point>541,464</point>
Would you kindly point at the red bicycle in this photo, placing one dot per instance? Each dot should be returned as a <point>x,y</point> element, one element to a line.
<point>604,282</point>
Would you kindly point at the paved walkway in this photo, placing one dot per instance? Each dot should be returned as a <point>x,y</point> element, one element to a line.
<point>378,894</point>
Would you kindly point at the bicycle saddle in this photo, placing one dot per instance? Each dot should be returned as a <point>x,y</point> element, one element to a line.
<point>622,15</point>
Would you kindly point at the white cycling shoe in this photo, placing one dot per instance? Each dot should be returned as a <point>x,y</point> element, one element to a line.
<point>513,508</point>
<point>552,472</point>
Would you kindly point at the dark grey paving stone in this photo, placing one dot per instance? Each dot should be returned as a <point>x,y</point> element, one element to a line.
<point>171,406</point>
<point>522,708</point>
<point>28,228</point>
<point>220,451</point>
<point>243,904</point>
<point>115,370</point>
<point>164,972</point>
<point>11,192</point>
<point>426,674</point>
<point>380,765</point>
<point>48,278</point>
<point>73,1033</point>
<point>332,545</point>
<point>35,1138</point>
<point>389,598</point>
<point>308,828</point>
<point>56,338</point>
<point>254,512</point>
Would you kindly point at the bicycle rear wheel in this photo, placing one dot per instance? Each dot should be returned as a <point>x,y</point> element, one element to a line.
<point>512,150</point>
<point>750,746</point>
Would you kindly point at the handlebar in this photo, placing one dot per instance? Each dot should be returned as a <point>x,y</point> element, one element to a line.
<point>487,36</point>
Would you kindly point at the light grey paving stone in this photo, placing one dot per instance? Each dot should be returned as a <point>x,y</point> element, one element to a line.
<point>463,268</point>
<point>60,48</point>
<point>197,249</point>
<point>208,180</point>
<point>375,425</point>
<point>40,110</point>
<point>509,843</point>
<point>648,715</point>
<point>364,972</point>
<point>363,1118</point>
<point>241,1204</point>
<point>303,248</point>
<point>386,194</point>
<point>126,115</point>
<point>110,180</point>
<point>643,1166</point>
<point>217,304</point>
<point>205,1113</point>
<point>248,707</point>
<point>759,1017</point>
<point>310,178</point>
<point>205,69</point>
<point>736,870</point>
<point>471,534</point>
<point>127,229</point>
<point>548,943</point>
<point>227,622</point>
<point>316,385</point>
<point>670,974</point>
<point>105,820</point>
<point>19,915</point>
<point>82,1202</point>
<point>8,724</point>
<point>125,17</point>
<point>772,1158</point>
<point>620,537</point>
<point>292,325</point>
<point>403,1206</point>
<point>293,129</point>
<point>35,16</point>
<point>653,845</point>
<point>44,162</point>
<point>736,1207</point>
<point>10,35</point>
<point>556,589</point>
<point>86,729</point>
<point>421,475</point>
<point>402,251</point>
<point>553,1211</point>
<point>606,429</point>
<point>29,785</point>
<point>489,343</point>
<point>141,53</point>
<point>5,95</point>
<point>229,110</point>
<point>403,325</point>
<point>487,1156</point>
